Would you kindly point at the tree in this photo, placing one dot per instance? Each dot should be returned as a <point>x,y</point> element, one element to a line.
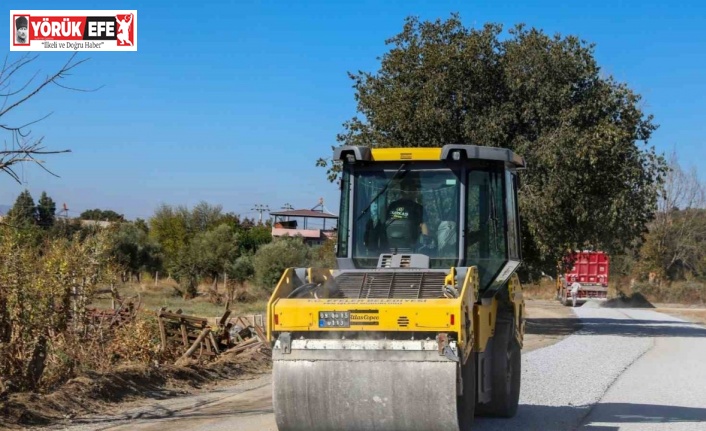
<point>205,216</point>
<point>242,269</point>
<point>142,225</point>
<point>232,220</point>
<point>213,251</point>
<point>591,179</point>
<point>16,91</point>
<point>134,251</point>
<point>101,215</point>
<point>24,212</point>
<point>253,238</point>
<point>272,259</point>
<point>675,247</point>
<point>239,272</point>
<point>69,229</point>
<point>185,270</point>
<point>46,211</point>
<point>175,227</point>
<point>169,227</point>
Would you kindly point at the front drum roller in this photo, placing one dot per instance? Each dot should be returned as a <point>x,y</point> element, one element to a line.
<point>362,385</point>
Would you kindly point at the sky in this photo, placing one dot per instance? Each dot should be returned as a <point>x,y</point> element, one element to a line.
<point>232,102</point>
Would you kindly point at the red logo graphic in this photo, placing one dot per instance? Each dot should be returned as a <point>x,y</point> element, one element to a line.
<point>126,32</point>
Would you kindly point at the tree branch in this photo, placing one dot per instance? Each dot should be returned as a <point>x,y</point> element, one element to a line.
<point>24,148</point>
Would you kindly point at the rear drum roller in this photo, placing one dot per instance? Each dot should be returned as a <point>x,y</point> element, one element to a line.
<point>506,370</point>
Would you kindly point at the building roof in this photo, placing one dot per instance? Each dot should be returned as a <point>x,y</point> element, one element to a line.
<point>304,213</point>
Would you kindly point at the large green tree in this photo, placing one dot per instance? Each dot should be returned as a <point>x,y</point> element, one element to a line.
<point>591,179</point>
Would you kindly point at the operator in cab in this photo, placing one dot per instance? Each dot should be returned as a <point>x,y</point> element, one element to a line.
<point>405,218</point>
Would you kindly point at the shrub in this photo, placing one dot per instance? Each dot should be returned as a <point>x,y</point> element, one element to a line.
<point>43,302</point>
<point>324,255</point>
<point>272,259</point>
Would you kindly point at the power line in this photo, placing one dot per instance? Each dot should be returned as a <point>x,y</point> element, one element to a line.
<point>261,209</point>
<point>287,207</point>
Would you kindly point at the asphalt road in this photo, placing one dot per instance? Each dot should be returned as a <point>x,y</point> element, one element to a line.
<point>625,369</point>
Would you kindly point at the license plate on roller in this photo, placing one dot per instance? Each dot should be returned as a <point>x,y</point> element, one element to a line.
<point>334,319</point>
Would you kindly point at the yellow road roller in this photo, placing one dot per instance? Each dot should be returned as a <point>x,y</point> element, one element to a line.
<point>420,326</point>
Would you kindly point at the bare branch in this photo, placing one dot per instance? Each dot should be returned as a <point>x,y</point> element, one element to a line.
<point>8,168</point>
<point>23,148</point>
<point>40,163</point>
<point>33,152</point>
<point>68,66</point>
<point>10,70</point>
<point>79,89</point>
<point>19,128</point>
<point>21,89</point>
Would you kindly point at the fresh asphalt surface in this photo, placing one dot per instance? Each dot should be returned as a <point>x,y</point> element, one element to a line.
<point>625,369</point>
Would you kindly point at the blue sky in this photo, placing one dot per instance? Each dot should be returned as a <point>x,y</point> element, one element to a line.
<point>232,102</point>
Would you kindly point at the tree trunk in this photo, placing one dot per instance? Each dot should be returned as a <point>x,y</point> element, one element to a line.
<point>114,294</point>
<point>35,368</point>
<point>225,285</point>
<point>191,290</point>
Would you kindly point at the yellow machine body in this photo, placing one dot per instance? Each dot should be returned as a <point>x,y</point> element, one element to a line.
<point>440,315</point>
<point>423,355</point>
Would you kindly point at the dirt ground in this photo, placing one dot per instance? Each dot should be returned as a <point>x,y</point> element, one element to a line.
<point>548,322</point>
<point>97,399</point>
<point>107,394</point>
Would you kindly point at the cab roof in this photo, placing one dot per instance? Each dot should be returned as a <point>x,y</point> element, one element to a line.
<point>351,153</point>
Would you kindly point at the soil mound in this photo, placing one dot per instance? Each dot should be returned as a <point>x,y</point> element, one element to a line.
<point>636,300</point>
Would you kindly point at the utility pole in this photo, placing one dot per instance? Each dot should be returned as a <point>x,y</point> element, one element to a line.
<point>261,209</point>
<point>287,207</point>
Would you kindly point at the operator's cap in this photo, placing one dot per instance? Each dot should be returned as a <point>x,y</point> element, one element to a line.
<point>21,22</point>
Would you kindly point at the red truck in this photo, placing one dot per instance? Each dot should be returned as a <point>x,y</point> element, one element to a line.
<point>590,271</point>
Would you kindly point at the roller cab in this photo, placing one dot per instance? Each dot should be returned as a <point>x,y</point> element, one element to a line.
<point>420,326</point>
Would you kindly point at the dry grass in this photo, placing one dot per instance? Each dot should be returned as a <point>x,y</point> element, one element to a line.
<point>164,294</point>
<point>545,289</point>
<point>694,316</point>
<point>691,292</point>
